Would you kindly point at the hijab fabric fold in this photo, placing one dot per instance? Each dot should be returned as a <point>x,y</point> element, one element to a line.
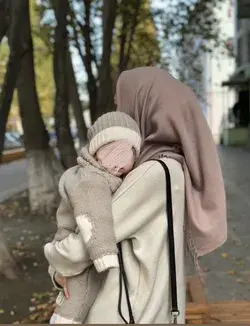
<point>172,124</point>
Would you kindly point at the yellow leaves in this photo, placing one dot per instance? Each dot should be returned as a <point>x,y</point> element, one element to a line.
<point>34,316</point>
<point>240,262</point>
<point>225,255</point>
<point>238,279</point>
<point>232,272</point>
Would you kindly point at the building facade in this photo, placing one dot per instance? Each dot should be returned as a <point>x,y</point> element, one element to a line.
<point>218,66</point>
<point>240,78</point>
<point>215,67</point>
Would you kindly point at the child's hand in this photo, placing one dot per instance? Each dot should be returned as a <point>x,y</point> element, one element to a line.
<point>62,281</point>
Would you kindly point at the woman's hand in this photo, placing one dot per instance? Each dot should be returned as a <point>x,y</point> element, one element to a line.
<point>62,281</point>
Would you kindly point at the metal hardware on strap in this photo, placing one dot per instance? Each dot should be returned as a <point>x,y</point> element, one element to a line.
<point>175,314</point>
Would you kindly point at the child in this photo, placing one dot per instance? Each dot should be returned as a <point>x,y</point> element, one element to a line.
<point>86,207</point>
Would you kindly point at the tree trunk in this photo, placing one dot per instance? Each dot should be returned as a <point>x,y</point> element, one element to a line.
<point>105,92</point>
<point>89,59</point>
<point>62,123</point>
<point>43,168</point>
<point>132,33</point>
<point>87,62</point>
<point>76,103</point>
<point>5,12</point>
<point>7,265</point>
<point>3,27</point>
<point>13,67</point>
<point>125,17</point>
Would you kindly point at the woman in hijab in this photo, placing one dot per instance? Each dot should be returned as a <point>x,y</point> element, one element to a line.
<point>175,130</point>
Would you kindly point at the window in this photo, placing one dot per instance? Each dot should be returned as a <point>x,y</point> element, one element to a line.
<point>248,48</point>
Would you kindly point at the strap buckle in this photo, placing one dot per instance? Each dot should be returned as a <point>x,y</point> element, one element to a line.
<point>175,314</point>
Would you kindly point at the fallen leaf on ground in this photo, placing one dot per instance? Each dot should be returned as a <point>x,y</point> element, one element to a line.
<point>232,272</point>
<point>225,255</point>
<point>42,306</point>
<point>240,263</point>
<point>34,316</point>
<point>31,309</point>
<point>240,280</point>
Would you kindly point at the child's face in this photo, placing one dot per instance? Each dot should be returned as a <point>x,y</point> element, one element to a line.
<point>117,158</point>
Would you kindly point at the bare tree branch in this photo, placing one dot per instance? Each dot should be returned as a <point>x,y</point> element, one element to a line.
<point>76,103</point>
<point>105,93</point>
<point>124,34</point>
<point>89,57</point>
<point>132,33</point>
<point>62,123</point>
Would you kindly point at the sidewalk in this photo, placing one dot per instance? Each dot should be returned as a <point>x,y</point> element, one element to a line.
<point>228,268</point>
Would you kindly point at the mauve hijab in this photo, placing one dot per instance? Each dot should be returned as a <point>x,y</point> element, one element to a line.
<point>172,124</point>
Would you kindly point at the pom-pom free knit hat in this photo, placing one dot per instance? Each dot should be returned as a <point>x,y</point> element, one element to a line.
<point>114,126</point>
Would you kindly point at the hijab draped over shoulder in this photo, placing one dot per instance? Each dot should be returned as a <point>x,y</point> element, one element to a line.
<point>172,124</point>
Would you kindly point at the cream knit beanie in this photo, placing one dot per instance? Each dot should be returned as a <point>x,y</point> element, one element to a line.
<point>114,126</point>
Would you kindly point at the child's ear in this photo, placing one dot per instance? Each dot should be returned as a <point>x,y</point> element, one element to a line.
<point>134,151</point>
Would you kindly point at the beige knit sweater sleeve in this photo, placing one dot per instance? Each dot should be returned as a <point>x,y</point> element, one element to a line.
<point>91,200</point>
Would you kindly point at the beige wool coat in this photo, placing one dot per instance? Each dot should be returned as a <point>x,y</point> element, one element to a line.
<point>139,210</point>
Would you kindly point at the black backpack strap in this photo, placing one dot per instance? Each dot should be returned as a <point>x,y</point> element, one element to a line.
<point>172,265</point>
<point>123,277</point>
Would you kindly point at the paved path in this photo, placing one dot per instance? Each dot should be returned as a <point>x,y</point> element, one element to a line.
<point>228,268</point>
<point>13,178</point>
<point>228,277</point>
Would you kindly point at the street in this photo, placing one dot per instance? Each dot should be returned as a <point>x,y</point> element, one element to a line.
<point>13,179</point>
<point>228,268</point>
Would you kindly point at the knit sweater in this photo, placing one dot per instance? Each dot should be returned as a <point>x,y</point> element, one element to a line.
<point>86,207</point>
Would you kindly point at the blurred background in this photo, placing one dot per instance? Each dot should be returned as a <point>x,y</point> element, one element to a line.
<point>59,62</point>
